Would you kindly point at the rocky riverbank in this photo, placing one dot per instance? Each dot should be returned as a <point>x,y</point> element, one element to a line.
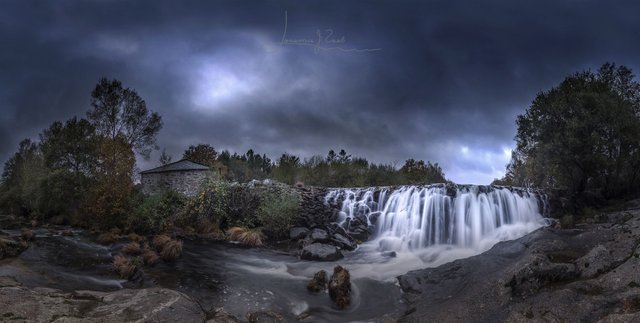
<point>589,273</point>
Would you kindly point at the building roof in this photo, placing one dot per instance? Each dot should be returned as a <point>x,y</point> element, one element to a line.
<point>180,165</point>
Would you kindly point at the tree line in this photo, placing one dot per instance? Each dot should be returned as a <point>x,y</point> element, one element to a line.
<point>333,170</point>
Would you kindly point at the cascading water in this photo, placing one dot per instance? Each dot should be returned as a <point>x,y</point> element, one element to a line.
<point>412,217</point>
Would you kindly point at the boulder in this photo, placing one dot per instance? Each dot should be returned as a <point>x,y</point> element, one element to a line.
<point>321,252</point>
<point>318,282</point>
<point>319,235</point>
<point>297,233</point>
<point>126,305</point>
<point>340,287</point>
<point>343,242</point>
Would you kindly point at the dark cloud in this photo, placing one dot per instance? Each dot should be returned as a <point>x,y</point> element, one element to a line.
<point>446,84</point>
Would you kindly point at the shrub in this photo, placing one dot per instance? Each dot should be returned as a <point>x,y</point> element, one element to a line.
<point>154,212</point>
<point>132,248</point>
<point>278,212</point>
<point>136,237</point>
<point>123,266</point>
<point>171,250</point>
<point>211,203</point>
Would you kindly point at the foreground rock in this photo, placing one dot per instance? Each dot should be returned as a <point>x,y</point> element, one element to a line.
<point>340,287</point>
<point>19,303</point>
<point>587,274</point>
<point>321,252</point>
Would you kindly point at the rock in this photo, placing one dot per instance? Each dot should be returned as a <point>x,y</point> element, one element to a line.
<point>6,281</point>
<point>343,242</point>
<point>321,252</point>
<point>319,235</point>
<point>221,316</point>
<point>587,274</point>
<point>340,287</point>
<point>318,282</point>
<point>264,317</point>
<point>127,305</point>
<point>297,233</point>
<point>389,254</point>
<point>11,248</point>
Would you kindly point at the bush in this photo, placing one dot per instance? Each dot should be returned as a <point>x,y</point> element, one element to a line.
<point>154,213</point>
<point>278,212</point>
<point>160,241</point>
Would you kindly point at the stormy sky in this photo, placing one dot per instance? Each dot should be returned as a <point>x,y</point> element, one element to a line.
<point>387,80</point>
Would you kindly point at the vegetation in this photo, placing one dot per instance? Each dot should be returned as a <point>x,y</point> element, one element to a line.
<point>277,212</point>
<point>581,137</point>
<point>247,237</point>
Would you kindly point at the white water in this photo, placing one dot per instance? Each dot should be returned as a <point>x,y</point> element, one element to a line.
<point>413,218</point>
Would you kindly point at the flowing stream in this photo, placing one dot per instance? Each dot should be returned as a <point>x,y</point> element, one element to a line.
<point>413,228</point>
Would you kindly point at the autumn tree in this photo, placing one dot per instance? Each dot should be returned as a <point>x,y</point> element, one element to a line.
<point>202,154</point>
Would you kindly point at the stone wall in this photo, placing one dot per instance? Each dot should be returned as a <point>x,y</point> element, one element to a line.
<point>185,182</point>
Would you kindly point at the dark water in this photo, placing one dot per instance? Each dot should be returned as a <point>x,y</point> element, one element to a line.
<point>240,280</point>
<point>218,275</point>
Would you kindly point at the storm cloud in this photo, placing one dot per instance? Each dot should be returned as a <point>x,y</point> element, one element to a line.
<point>387,80</point>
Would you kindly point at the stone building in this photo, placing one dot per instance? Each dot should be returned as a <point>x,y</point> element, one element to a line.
<point>183,176</point>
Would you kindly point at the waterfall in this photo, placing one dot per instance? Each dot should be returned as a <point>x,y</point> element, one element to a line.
<point>414,217</point>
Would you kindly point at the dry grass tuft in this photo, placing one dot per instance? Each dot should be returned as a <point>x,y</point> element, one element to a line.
<point>234,233</point>
<point>252,238</point>
<point>171,250</point>
<point>27,234</point>
<point>67,233</point>
<point>149,256</point>
<point>107,238</point>
<point>132,248</point>
<point>160,241</point>
<point>123,266</point>
<point>135,237</point>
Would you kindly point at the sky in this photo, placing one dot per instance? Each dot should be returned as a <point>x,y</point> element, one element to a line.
<point>387,80</point>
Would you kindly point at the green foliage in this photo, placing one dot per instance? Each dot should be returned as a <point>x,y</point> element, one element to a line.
<point>21,179</point>
<point>155,213</point>
<point>71,146</point>
<point>63,193</point>
<point>211,205</point>
<point>582,136</point>
<point>419,172</point>
<point>203,154</point>
<point>278,212</point>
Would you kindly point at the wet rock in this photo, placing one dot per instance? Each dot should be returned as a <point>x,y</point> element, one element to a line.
<point>297,233</point>
<point>48,305</point>
<point>340,287</point>
<point>389,254</point>
<point>11,248</point>
<point>587,274</point>
<point>264,317</point>
<point>221,316</point>
<point>319,235</point>
<point>321,252</point>
<point>318,282</point>
<point>343,242</point>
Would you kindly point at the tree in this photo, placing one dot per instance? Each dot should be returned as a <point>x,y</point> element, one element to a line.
<point>202,153</point>
<point>21,179</point>
<point>119,111</point>
<point>419,172</point>
<point>71,146</point>
<point>582,135</point>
